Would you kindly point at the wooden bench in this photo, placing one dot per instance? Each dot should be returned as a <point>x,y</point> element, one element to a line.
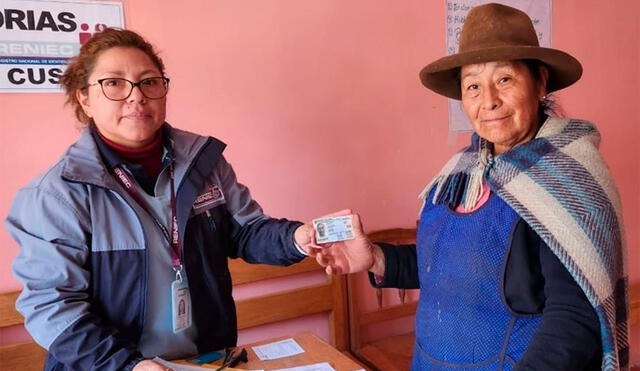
<point>327,297</point>
<point>386,354</point>
<point>394,352</point>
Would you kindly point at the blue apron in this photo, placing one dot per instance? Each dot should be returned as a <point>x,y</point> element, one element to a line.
<point>463,321</point>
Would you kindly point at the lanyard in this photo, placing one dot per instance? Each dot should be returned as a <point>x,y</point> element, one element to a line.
<point>173,238</point>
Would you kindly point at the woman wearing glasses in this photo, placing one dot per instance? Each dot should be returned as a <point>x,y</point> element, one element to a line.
<point>124,242</point>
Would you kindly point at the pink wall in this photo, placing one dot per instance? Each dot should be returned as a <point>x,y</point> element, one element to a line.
<point>321,105</point>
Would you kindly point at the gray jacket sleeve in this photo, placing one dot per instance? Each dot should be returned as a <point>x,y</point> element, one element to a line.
<point>256,237</point>
<point>52,234</point>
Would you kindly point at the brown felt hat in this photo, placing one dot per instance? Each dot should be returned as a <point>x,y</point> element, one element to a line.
<point>495,32</point>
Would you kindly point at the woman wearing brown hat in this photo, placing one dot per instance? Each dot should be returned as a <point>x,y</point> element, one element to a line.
<point>520,247</point>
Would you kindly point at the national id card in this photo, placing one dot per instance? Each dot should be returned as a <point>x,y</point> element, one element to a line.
<point>333,229</point>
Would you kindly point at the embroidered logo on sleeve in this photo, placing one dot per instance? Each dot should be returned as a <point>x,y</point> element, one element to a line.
<point>212,197</point>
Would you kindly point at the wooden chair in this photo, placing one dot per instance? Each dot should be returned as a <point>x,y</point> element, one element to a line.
<point>328,297</point>
<point>391,353</point>
<point>25,356</point>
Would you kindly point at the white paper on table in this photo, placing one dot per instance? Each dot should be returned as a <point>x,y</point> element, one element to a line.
<point>324,366</point>
<point>180,367</point>
<point>279,349</point>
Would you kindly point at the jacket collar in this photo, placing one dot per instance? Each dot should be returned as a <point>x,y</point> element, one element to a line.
<point>84,164</point>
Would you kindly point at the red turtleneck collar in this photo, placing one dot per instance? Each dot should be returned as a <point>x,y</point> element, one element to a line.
<point>149,156</point>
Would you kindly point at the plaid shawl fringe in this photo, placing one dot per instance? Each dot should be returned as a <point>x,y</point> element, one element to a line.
<point>560,185</point>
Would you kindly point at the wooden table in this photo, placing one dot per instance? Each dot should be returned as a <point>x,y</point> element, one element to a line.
<point>315,351</point>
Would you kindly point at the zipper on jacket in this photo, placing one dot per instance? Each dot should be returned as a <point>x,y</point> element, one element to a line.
<point>212,223</point>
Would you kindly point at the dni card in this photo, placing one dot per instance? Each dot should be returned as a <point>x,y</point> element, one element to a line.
<point>332,229</point>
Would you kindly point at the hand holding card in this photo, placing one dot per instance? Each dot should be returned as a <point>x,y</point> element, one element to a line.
<point>341,245</point>
<point>333,229</point>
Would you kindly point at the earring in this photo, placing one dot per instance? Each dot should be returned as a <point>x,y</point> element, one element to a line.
<point>543,97</point>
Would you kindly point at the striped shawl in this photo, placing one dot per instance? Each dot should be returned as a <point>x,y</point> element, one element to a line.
<point>560,185</point>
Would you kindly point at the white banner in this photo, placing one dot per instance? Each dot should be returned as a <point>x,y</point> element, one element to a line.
<point>37,38</point>
<point>540,13</point>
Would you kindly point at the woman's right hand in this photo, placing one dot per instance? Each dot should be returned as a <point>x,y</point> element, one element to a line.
<point>351,256</point>
<point>150,365</point>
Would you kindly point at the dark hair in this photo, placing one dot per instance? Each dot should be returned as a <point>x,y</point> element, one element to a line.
<point>547,106</point>
<point>77,73</point>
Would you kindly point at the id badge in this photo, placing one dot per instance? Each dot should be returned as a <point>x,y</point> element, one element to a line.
<point>180,305</point>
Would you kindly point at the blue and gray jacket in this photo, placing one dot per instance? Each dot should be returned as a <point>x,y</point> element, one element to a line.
<point>85,246</point>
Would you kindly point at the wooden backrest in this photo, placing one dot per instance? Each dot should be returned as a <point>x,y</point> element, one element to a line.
<point>18,356</point>
<point>9,316</point>
<point>358,318</point>
<point>634,304</point>
<point>328,297</point>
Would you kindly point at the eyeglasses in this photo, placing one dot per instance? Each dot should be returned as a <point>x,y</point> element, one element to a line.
<point>120,89</point>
